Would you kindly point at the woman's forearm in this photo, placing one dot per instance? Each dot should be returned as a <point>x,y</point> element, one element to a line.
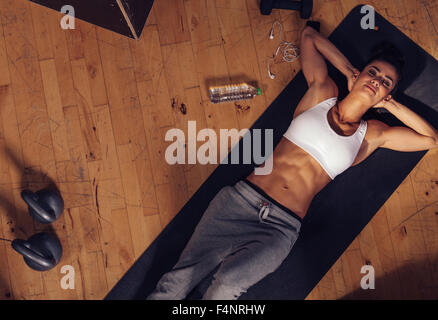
<point>411,119</point>
<point>331,53</point>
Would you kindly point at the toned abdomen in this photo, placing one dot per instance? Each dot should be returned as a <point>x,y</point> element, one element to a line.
<point>295,179</point>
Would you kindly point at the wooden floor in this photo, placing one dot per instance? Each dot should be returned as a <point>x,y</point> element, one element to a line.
<point>88,109</point>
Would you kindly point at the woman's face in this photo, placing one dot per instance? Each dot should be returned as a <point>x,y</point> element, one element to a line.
<point>376,81</point>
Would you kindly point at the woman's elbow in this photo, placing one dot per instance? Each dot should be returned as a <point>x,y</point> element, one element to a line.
<point>433,144</point>
<point>435,139</point>
<point>308,32</point>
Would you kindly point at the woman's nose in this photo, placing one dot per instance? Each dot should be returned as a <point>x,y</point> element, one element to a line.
<point>375,82</point>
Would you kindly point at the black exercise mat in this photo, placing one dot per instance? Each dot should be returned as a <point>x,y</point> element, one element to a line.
<point>341,210</point>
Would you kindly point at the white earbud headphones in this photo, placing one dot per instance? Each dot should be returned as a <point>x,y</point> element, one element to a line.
<point>290,51</point>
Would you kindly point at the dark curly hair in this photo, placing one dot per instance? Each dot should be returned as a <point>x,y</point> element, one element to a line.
<point>388,52</point>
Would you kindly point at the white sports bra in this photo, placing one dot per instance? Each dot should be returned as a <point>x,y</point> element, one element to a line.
<point>311,131</point>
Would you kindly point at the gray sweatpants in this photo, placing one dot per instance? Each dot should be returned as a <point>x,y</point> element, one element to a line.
<point>247,233</point>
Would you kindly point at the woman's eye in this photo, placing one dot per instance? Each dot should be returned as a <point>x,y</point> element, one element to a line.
<point>373,73</point>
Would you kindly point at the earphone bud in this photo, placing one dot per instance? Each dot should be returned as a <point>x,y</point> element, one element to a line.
<point>290,52</point>
<point>271,34</point>
<point>271,75</point>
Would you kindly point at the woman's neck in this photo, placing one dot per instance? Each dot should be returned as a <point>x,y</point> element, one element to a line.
<point>350,110</point>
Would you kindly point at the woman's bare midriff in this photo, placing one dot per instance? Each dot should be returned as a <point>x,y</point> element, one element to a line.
<point>295,179</point>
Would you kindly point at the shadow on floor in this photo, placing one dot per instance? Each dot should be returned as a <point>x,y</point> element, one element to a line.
<point>17,222</point>
<point>413,281</point>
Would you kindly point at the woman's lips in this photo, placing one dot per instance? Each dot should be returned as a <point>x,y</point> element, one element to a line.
<point>371,88</point>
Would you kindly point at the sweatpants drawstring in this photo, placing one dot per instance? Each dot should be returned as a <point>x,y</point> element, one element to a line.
<point>264,211</point>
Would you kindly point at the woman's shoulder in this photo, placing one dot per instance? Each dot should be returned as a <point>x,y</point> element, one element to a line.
<point>376,124</point>
<point>328,88</point>
<point>375,128</point>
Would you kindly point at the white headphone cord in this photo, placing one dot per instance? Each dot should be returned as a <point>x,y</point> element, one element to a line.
<point>290,51</point>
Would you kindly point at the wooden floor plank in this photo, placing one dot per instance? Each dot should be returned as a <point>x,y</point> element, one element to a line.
<point>151,82</point>
<point>5,78</point>
<point>93,64</point>
<point>54,109</point>
<point>240,54</point>
<point>74,41</point>
<point>86,109</point>
<point>41,26</point>
<point>341,277</point>
<point>353,257</point>
<point>327,288</point>
<point>407,239</point>
<point>172,24</point>
<point>425,185</point>
<point>384,245</point>
<point>83,239</point>
<point>109,198</point>
<point>136,208</point>
<point>61,54</point>
<point>367,243</point>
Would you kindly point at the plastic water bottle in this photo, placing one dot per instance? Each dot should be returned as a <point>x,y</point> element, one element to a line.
<point>233,92</point>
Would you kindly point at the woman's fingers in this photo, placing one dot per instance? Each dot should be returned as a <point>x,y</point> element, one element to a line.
<point>353,70</point>
<point>356,73</point>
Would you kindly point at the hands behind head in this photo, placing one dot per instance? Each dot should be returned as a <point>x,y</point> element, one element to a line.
<point>352,75</point>
<point>384,103</point>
